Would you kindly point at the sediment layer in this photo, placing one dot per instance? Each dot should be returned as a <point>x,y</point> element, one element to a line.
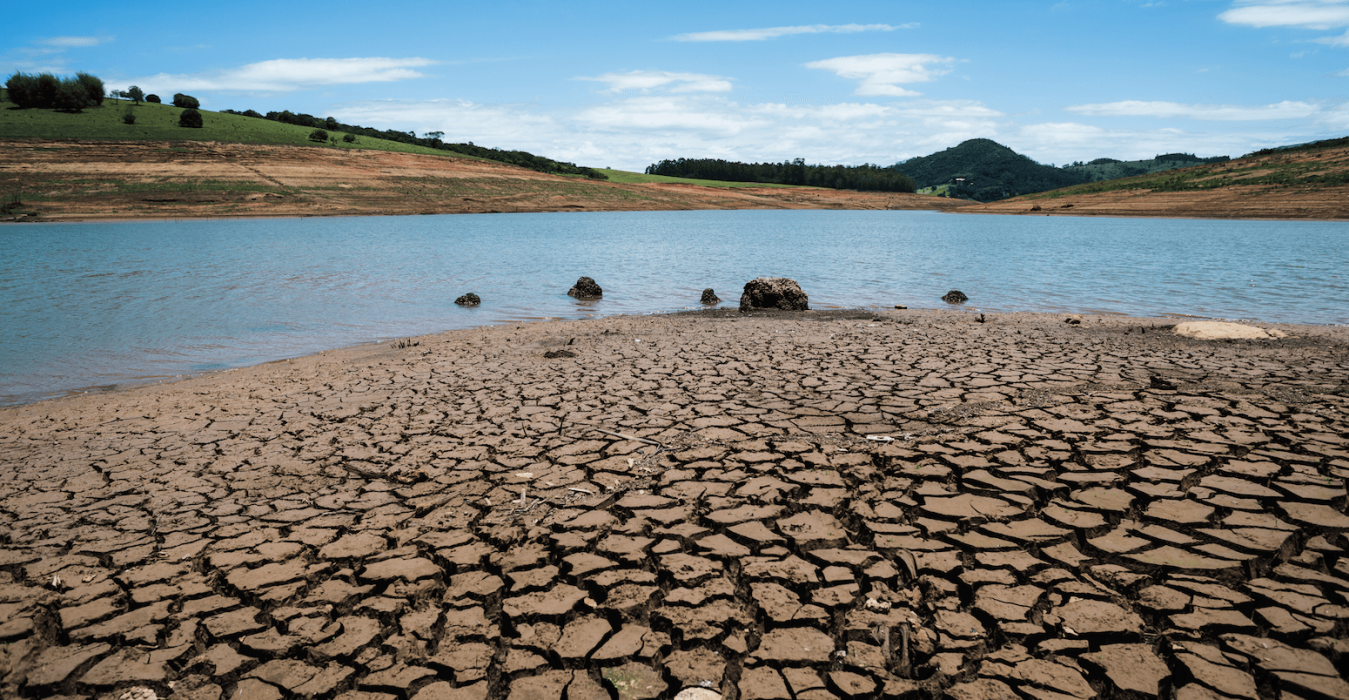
<point>82,180</point>
<point>794,505</point>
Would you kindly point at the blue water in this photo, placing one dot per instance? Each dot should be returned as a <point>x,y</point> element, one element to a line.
<point>91,305</point>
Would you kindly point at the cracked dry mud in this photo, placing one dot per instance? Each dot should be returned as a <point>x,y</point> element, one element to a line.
<point>1062,512</point>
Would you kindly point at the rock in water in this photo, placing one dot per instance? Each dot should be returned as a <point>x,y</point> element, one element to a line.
<point>585,288</point>
<point>955,296</point>
<point>774,293</point>
<point>469,299</point>
<point>710,297</point>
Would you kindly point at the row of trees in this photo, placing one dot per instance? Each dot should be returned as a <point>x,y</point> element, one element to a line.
<point>48,91</point>
<point>872,178</point>
<point>430,139</point>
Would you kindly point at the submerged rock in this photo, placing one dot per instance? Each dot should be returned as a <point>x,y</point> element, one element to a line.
<point>710,297</point>
<point>469,299</point>
<point>585,288</point>
<point>774,293</point>
<point>955,296</point>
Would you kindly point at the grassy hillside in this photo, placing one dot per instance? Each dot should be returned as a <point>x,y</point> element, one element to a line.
<point>1306,168</point>
<point>1111,169</point>
<point>629,178</point>
<point>159,122</point>
<point>984,171</point>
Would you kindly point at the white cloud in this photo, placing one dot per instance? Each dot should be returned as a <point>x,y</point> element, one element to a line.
<point>500,126</point>
<point>1068,141</point>
<point>1307,14</point>
<point>647,80</point>
<point>74,42</point>
<point>666,114</point>
<point>775,32</point>
<point>1136,108</point>
<point>1302,14</point>
<point>883,73</point>
<point>289,74</point>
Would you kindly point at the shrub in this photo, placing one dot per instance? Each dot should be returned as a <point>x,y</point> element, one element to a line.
<point>190,118</point>
<point>185,101</point>
<point>152,98</point>
<point>20,88</point>
<point>129,118</point>
<point>93,88</point>
<point>349,138</point>
<point>318,135</point>
<point>47,87</point>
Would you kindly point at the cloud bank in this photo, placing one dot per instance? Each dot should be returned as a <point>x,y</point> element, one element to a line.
<point>883,73</point>
<point>290,74</point>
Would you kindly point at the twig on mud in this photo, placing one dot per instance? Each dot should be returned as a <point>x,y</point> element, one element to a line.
<point>628,437</point>
<point>587,492</point>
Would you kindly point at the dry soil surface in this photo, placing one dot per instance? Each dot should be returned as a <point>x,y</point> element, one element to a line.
<point>75,180</point>
<point>774,506</point>
<point>1237,202</point>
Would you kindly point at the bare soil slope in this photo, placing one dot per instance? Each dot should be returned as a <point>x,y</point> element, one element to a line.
<point>71,180</point>
<point>1285,185</point>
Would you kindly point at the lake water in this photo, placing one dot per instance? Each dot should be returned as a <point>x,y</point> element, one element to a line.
<point>86,306</point>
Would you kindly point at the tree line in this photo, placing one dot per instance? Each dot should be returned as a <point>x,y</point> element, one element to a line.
<point>872,178</point>
<point>47,91</point>
<point>431,139</point>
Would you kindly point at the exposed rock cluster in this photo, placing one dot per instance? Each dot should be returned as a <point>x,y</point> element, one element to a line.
<point>773,293</point>
<point>585,288</point>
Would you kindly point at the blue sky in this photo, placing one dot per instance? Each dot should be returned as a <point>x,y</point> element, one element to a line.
<point>627,84</point>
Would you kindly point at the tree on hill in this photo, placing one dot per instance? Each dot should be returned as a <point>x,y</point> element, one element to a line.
<point>185,101</point>
<point>318,136</point>
<point>134,94</point>
<point>190,118</point>
<point>154,99</point>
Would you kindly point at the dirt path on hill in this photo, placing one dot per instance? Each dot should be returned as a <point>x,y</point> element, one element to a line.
<point>68,181</point>
<point>802,505</point>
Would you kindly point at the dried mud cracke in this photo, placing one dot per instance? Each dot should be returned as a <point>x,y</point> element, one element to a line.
<point>750,506</point>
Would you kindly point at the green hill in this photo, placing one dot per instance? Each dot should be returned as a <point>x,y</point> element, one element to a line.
<point>159,122</point>
<point>984,171</point>
<point>1111,169</point>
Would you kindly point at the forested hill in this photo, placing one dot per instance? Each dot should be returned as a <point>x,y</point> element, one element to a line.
<point>872,178</point>
<point>985,171</point>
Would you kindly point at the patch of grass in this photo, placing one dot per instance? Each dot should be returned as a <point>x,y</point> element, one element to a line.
<point>159,122</point>
<point>628,178</point>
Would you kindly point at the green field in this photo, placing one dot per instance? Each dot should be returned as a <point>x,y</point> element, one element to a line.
<point>627,178</point>
<point>159,122</point>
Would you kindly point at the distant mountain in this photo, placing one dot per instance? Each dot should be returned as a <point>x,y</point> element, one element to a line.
<point>985,171</point>
<point>1111,169</point>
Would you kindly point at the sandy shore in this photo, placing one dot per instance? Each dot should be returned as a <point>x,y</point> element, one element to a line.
<point>1071,511</point>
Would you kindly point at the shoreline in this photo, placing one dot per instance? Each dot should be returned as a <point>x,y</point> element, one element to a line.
<point>140,382</point>
<point>703,499</point>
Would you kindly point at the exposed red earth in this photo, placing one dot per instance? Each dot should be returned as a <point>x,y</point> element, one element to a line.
<point>80,180</point>
<point>785,506</point>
